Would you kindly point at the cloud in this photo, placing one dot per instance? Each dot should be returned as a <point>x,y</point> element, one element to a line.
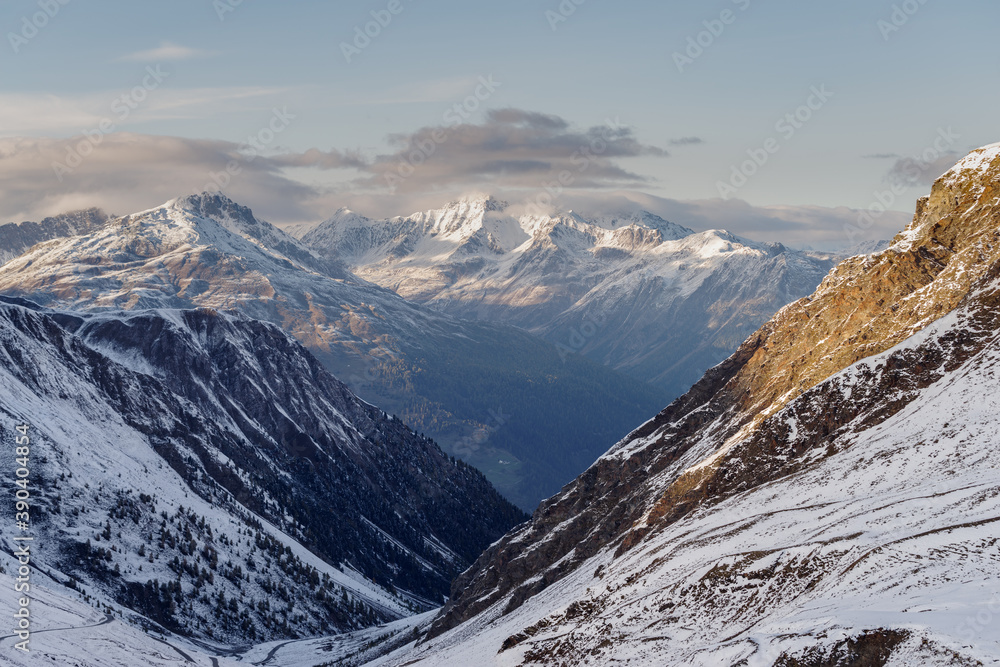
<point>881,156</point>
<point>912,172</point>
<point>687,141</point>
<point>167,51</point>
<point>815,227</point>
<point>510,148</point>
<point>129,172</point>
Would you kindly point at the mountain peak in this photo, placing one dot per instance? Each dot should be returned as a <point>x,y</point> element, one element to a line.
<point>479,200</point>
<point>961,207</point>
<point>976,164</point>
<point>213,205</point>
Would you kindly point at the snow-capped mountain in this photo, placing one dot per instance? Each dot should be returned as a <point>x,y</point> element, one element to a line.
<point>828,495</point>
<point>207,251</point>
<point>201,473</point>
<point>632,291</point>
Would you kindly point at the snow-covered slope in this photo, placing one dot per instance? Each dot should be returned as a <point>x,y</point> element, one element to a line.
<point>207,251</point>
<point>826,496</point>
<point>205,474</point>
<point>632,291</point>
<point>17,237</point>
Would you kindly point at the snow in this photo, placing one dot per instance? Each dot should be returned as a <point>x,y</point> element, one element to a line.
<point>975,163</point>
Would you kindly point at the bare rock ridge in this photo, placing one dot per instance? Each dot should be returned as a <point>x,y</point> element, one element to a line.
<point>777,407</point>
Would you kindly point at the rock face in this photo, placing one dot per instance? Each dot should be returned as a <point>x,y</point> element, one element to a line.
<point>206,473</point>
<point>819,495</point>
<point>632,291</point>
<point>531,423</point>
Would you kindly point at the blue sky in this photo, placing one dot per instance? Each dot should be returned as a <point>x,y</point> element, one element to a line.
<point>892,94</point>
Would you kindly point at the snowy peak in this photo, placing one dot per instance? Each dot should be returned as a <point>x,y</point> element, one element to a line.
<point>642,219</point>
<point>973,184</point>
<point>216,207</point>
<point>482,225</point>
<point>460,219</point>
<point>980,166</point>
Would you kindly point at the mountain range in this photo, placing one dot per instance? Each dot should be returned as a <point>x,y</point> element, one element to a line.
<point>494,395</point>
<point>16,238</point>
<point>630,290</point>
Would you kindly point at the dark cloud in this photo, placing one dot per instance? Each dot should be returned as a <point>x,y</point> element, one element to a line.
<point>881,156</point>
<point>124,172</point>
<point>510,148</point>
<point>687,141</point>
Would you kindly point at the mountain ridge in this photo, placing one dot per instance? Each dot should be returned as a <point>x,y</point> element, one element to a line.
<point>227,428</point>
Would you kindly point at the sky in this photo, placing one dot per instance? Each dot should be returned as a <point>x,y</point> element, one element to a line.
<point>778,120</point>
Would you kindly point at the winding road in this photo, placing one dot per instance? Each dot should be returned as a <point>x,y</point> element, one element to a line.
<point>108,618</point>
